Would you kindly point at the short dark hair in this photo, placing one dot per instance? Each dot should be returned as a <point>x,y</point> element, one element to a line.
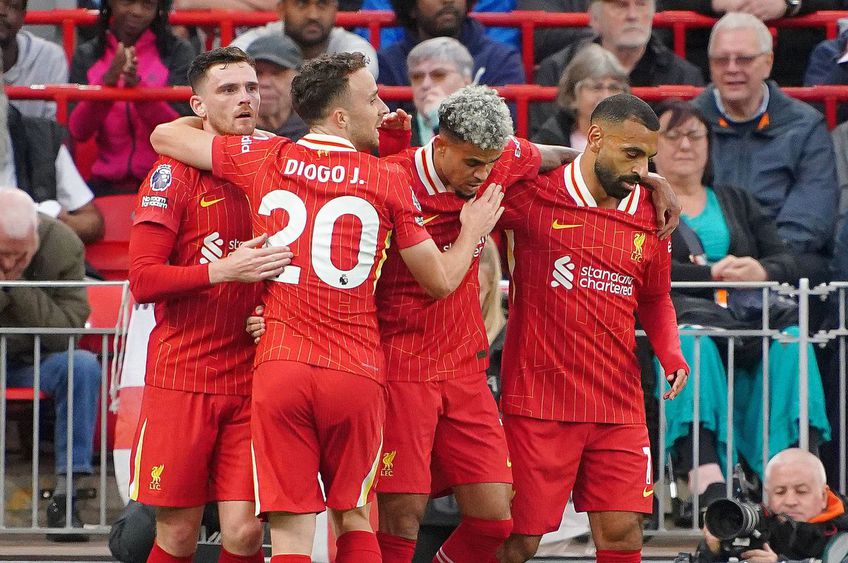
<point>223,55</point>
<point>321,81</point>
<point>405,8</point>
<point>621,107</point>
<point>681,111</point>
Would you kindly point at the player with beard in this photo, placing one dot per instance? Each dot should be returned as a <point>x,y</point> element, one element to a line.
<point>585,260</point>
<point>190,242</point>
<point>442,427</point>
<point>318,399</point>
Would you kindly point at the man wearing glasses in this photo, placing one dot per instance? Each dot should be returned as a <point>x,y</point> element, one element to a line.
<point>625,28</point>
<point>773,146</point>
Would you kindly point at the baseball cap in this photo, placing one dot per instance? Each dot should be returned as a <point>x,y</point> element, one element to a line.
<point>276,48</point>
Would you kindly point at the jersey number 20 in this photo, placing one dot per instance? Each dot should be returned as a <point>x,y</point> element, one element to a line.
<point>322,234</point>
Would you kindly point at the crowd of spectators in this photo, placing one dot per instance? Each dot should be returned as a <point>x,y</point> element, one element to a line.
<point>763,182</point>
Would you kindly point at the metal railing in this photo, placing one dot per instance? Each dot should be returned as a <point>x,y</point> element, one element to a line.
<point>838,336</point>
<point>109,361</point>
<point>522,95</point>
<point>803,294</point>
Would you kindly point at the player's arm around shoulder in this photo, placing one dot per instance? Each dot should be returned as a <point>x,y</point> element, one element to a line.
<point>554,156</point>
<point>185,140</point>
<point>440,273</point>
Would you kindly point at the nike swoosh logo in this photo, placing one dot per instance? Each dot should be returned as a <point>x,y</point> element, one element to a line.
<point>207,202</point>
<point>428,219</point>
<point>647,492</point>
<point>557,225</point>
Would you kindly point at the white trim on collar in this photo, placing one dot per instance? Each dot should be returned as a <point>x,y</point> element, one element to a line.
<point>577,189</point>
<point>321,142</point>
<point>426,169</point>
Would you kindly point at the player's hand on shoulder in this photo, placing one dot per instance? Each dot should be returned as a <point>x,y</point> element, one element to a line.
<point>251,262</point>
<point>480,215</point>
<point>665,202</point>
<point>255,325</point>
<point>397,120</point>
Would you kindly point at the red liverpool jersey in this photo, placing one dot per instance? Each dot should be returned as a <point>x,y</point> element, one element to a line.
<point>335,208</point>
<point>199,343</point>
<point>579,274</point>
<point>437,339</point>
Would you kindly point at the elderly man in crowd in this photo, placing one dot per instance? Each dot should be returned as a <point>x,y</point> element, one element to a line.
<point>437,67</point>
<point>763,141</point>
<point>625,28</point>
<point>37,248</point>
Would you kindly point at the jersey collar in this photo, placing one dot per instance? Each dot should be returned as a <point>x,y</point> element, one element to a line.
<point>577,189</point>
<point>426,169</point>
<point>320,142</point>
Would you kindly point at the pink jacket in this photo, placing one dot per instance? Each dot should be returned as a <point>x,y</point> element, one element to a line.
<point>123,129</point>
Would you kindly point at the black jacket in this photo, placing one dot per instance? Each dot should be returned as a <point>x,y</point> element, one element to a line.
<point>36,142</point>
<point>556,130</point>
<point>659,65</point>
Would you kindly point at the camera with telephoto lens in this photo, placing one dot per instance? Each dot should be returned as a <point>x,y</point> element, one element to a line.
<point>739,524</point>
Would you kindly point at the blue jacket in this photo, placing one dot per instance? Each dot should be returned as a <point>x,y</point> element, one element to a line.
<point>391,35</point>
<point>502,64</point>
<point>786,161</point>
<point>824,67</point>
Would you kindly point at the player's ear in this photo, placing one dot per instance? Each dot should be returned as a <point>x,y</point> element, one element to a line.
<point>197,106</point>
<point>340,118</point>
<point>439,144</point>
<point>595,137</point>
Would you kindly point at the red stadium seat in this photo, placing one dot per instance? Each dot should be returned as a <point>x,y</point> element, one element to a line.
<point>19,409</point>
<point>110,255</point>
<point>24,394</point>
<point>105,302</point>
<point>85,153</point>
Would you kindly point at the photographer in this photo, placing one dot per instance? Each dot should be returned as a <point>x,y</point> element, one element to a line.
<point>803,519</point>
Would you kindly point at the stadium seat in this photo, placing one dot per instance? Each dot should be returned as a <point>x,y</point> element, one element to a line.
<point>85,153</point>
<point>110,255</point>
<point>24,394</point>
<point>105,301</point>
<point>19,401</point>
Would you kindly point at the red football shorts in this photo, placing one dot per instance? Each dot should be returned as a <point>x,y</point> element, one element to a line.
<point>603,466</point>
<point>440,434</point>
<point>309,421</point>
<point>191,448</point>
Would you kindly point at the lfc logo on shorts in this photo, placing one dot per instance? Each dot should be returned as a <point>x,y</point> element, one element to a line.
<point>638,244</point>
<point>156,477</point>
<point>388,464</point>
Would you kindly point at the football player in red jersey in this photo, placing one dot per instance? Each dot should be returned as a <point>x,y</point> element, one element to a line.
<point>442,429</point>
<point>190,243</point>
<point>585,260</point>
<point>337,206</point>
